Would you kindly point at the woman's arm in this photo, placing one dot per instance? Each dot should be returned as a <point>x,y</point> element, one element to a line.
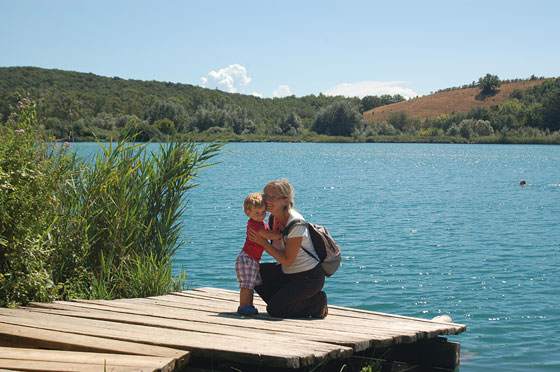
<point>285,257</point>
<point>271,235</point>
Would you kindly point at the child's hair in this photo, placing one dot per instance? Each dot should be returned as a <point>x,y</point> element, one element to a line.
<point>254,200</point>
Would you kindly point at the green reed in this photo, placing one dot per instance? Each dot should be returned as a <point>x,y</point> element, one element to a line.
<point>101,229</point>
<point>126,207</point>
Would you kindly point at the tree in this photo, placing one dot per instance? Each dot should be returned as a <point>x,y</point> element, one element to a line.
<point>291,124</point>
<point>400,120</point>
<point>167,110</point>
<point>165,126</point>
<point>338,119</point>
<point>489,83</point>
<point>371,102</point>
<point>551,107</point>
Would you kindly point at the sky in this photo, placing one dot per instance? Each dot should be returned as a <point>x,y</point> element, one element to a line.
<point>278,48</point>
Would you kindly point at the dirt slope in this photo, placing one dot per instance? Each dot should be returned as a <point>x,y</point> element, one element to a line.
<point>446,102</point>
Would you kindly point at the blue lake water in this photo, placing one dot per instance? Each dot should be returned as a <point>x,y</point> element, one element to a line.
<point>426,230</point>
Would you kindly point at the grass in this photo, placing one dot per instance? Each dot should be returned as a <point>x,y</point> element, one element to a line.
<point>441,103</point>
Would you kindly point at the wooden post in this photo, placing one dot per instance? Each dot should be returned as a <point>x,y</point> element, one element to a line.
<point>436,352</point>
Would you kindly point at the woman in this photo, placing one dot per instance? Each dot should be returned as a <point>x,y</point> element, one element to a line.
<point>292,288</point>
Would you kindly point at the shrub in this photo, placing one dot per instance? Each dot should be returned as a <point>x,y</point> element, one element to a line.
<point>31,175</point>
<point>339,119</point>
<point>405,123</point>
<point>470,128</point>
<point>102,230</point>
<point>489,83</point>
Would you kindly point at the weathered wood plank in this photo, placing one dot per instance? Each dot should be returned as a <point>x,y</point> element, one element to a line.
<point>237,328</point>
<point>178,307</point>
<point>126,331</point>
<point>36,359</point>
<point>435,326</point>
<point>204,322</point>
<point>39,366</point>
<point>32,337</point>
<point>192,320</point>
<point>405,330</point>
<point>380,333</point>
<point>284,354</point>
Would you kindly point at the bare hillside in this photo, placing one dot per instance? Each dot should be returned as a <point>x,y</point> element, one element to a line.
<point>446,102</point>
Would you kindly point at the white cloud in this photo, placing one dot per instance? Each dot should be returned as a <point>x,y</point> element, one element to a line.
<point>282,91</point>
<point>230,79</point>
<point>256,94</point>
<point>371,88</point>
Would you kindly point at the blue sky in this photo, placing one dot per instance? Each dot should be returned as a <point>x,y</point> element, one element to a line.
<point>279,48</point>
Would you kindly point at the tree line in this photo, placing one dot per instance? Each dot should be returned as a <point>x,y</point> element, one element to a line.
<point>82,107</point>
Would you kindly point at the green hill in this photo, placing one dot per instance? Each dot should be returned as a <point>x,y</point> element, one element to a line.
<point>76,105</point>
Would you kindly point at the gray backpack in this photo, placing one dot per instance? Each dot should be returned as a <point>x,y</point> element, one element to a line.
<point>327,250</point>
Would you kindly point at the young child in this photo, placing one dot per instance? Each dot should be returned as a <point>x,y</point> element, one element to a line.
<point>247,263</point>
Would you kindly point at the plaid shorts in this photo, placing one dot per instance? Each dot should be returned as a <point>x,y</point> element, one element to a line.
<point>247,269</point>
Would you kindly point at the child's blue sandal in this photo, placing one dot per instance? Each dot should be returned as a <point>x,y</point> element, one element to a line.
<point>247,310</point>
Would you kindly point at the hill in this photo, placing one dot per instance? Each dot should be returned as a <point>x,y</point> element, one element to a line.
<point>446,102</point>
<point>74,106</point>
<point>84,106</point>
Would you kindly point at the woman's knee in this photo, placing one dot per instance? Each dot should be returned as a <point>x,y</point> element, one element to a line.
<point>276,308</point>
<point>275,312</point>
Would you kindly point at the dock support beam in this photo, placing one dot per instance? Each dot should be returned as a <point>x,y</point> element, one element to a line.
<point>436,354</point>
<point>433,354</point>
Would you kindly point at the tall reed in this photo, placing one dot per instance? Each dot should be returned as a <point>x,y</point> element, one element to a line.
<point>101,229</point>
<point>123,210</point>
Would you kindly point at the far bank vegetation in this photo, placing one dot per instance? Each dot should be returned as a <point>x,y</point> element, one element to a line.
<point>84,107</point>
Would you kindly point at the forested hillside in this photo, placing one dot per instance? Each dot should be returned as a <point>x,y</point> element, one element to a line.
<point>79,106</point>
<point>75,106</point>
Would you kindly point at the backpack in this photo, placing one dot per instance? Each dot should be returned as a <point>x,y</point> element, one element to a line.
<point>326,248</point>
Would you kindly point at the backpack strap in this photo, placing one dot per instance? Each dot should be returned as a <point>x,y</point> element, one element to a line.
<point>289,226</point>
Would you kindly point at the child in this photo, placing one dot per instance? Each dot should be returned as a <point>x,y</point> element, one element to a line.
<point>247,262</point>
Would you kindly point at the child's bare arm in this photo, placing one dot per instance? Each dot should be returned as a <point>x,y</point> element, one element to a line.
<point>270,235</point>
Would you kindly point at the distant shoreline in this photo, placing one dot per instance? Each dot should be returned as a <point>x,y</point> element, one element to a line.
<point>491,140</point>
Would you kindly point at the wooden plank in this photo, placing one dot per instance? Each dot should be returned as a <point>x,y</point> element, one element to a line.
<point>379,333</point>
<point>293,354</point>
<point>238,328</point>
<point>155,308</point>
<point>192,320</point>
<point>204,321</point>
<point>96,359</point>
<point>119,331</point>
<point>23,365</point>
<point>403,331</point>
<point>337,320</point>
<point>53,339</point>
<point>430,325</point>
<point>312,326</point>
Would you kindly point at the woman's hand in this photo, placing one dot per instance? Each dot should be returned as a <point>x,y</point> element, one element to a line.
<point>254,236</point>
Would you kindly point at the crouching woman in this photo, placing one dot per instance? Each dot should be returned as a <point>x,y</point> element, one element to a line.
<point>292,287</point>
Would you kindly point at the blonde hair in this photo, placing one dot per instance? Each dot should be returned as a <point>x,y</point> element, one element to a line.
<point>253,200</point>
<point>284,188</point>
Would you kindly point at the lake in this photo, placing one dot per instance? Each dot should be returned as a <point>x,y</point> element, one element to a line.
<point>426,230</point>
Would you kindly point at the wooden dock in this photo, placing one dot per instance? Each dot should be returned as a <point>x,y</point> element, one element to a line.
<point>168,332</point>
